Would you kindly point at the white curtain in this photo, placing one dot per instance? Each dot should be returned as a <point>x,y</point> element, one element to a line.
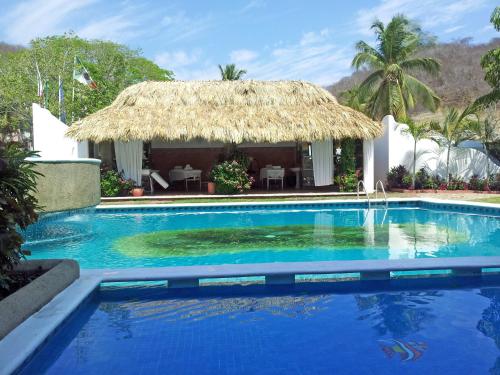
<point>129,159</point>
<point>322,156</point>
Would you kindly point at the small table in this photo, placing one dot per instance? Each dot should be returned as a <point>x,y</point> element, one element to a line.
<point>296,170</point>
<point>178,174</point>
<point>271,173</point>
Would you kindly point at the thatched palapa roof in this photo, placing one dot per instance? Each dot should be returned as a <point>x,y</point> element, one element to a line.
<point>225,111</point>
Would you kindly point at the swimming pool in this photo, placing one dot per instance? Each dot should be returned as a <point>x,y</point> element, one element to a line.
<point>232,234</point>
<point>311,328</point>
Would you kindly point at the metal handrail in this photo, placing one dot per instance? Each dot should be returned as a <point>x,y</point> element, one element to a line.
<point>383,191</point>
<point>364,189</point>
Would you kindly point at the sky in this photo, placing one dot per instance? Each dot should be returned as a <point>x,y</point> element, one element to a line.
<point>309,40</point>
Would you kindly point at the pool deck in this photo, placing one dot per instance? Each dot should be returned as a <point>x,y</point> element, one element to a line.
<point>23,341</point>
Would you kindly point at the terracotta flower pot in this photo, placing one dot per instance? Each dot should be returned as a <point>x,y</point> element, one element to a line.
<point>137,192</point>
<point>211,187</point>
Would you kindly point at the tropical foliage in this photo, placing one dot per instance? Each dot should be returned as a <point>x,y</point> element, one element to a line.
<point>112,66</point>
<point>18,205</point>
<point>418,131</point>
<point>455,128</point>
<point>487,132</point>
<point>231,73</point>
<point>230,177</point>
<point>391,88</point>
<point>113,183</point>
<point>490,63</point>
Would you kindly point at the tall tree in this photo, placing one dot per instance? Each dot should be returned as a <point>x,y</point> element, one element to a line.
<point>112,66</point>
<point>230,73</point>
<point>353,99</point>
<point>418,131</point>
<point>454,129</point>
<point>390,88</point>
<point>487,131</point>
<point>490,63</point>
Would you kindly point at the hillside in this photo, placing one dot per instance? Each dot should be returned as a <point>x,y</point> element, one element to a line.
<point>461,78</point>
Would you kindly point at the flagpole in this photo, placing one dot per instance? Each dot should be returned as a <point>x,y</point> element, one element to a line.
<point>73,91</point>
<point>59,95</point>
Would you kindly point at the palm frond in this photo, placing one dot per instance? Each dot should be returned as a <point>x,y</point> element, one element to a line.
<point>423,92</point>
<point>422,64</point>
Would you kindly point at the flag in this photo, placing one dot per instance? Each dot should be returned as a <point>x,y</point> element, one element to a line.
<point>82,75</point>
<point>62,111</point>
<point>39,81</point>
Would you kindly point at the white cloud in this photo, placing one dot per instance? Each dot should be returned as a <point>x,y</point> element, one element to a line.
<point>253,4</point>
<point>453,29</point>
<point>35,18</point>
<point>177,59</point>
<point>116,28</point>
<point>242,56</point>
<point>180,27</point>
<point>313,58</point>
<point>430,13</point>
<point>314,37</point>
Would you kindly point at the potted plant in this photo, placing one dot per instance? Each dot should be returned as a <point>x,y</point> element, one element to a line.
<point>137,191</point>
<point>211,187</point>
<point>230,177</point>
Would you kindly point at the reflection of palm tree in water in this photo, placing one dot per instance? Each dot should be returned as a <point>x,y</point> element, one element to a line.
<point>489,324</point>
<point>398,314</point>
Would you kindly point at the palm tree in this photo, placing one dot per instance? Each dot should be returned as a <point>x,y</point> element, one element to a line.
<point>490,63</point>
<point>418,131</point>
<point>487,132</point>
<point>455,128</point>
<point>231,73</point>
<point>390,88</point>
<point>353,99</point>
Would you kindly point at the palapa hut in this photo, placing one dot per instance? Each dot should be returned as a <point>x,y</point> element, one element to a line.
<point>281,123</point>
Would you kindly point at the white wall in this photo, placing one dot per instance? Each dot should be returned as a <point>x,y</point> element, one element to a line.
<point>395,148</point>
<point>49,137</point>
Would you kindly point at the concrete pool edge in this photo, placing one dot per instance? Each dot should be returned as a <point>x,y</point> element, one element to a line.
<point>22,342</point>
<point>326,202</point>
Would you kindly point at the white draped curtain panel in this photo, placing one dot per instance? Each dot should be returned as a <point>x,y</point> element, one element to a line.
<point>322,156</point>
<point>129,159</point>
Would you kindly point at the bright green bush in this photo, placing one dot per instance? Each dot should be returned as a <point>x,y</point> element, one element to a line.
<point>18,205</point>
<point>113,184</point>
<point>230,177</point>
<point>347,182</point>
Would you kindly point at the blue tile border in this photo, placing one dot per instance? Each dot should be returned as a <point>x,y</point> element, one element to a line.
<point>450,206</point>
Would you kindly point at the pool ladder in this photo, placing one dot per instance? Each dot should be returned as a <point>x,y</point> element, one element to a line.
<point>361,183</point>
<point>379,182</point>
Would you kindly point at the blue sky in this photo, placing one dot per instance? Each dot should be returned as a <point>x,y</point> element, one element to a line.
<point>272,39</point>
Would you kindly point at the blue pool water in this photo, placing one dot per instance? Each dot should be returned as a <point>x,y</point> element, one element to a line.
<point>173,237</point>
<point>305,329</point>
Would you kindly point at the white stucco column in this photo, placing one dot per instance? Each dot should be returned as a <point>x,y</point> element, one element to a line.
<point>369,165</point>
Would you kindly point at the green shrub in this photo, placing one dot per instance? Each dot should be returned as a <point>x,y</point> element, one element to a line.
<point>347,161</point>
<point>347,182</point>
<point>494,183</point>
<point>398,177</point>
<point>18,205</point>
<point>476,183</point>
<point>113,184</point>
<point>230,177</point>
<point>456,183</point>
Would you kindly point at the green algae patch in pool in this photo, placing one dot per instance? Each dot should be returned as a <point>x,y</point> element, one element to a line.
<point>210,241</point>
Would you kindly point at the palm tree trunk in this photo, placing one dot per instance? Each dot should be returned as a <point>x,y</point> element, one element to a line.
<point>448,164</point>
<point>487,164</point>
<point>414,164</point>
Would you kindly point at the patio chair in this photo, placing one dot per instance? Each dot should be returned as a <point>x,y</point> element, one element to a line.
<point>275,175</point>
